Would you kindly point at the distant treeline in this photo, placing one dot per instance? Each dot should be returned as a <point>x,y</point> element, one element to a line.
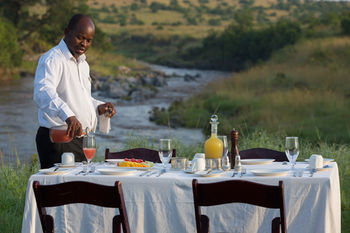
<point>238,47</point>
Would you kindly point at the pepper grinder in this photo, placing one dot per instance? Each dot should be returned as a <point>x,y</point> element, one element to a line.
<point>234,147</point>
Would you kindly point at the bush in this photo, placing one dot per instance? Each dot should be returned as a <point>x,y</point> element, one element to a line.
<point>345,26</point>
<point>214,22</point>
<point>10,52</point>
<point>238,47</point>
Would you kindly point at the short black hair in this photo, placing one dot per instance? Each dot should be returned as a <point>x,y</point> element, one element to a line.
<point>75,20</point>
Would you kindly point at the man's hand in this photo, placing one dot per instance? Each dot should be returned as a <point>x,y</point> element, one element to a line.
<point>107,108</point>
<point>74,127</point>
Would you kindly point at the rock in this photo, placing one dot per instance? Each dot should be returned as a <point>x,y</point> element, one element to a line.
<point>189,78</point>
<point>141,94</point>
<point>116,90</point>
<point>124,70</point>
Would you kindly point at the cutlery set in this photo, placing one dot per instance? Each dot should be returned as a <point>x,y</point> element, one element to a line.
<point>243,172</point>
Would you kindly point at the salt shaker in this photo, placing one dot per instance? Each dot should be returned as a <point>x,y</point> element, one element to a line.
<point>226,163</point>
<point>238,166</point>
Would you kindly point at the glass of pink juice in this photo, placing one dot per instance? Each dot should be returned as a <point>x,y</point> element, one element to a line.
<point>89,148</point>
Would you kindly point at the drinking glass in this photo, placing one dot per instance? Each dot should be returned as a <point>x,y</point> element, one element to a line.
<point>225,160</point>
<point>165,151</point>
<point>292,149</point>
<point>89,148</point>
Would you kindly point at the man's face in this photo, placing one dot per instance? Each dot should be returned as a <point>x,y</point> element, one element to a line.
<point>80,39</point>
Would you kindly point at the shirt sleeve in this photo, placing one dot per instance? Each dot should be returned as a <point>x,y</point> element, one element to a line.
<point>47,78</point>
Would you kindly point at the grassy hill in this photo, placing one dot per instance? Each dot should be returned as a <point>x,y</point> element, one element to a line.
<point>159,31</point>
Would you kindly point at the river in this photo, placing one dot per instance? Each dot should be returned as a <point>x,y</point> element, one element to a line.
<point>18,115</point>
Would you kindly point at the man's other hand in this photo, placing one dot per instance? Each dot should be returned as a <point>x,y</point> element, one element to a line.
<point>107,109</point>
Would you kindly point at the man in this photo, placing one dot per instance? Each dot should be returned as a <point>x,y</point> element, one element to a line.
<point>62,91</point>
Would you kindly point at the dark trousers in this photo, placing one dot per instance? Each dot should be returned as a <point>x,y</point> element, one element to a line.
<point>50,153</point>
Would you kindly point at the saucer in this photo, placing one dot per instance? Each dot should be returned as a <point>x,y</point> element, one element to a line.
<point>66,165</point>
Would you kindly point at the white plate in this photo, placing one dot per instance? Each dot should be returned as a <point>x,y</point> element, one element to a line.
<point>270,172</point>
<point>325,160</point>
<point>50,171</point>
<point>116,171</point>
<point>211,174</point>
<point>114,161</point>
<point>137,168</point>
<point>66,165</point>
<point>256,161</point>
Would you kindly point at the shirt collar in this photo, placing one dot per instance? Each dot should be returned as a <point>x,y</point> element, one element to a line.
<point>64,48</point>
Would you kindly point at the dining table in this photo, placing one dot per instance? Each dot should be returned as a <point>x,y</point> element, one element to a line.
<point>164,203</point>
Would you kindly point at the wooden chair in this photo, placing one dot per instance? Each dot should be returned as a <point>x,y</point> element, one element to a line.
<point>253,153</point>
<point>210,194</point>
<point>263,153</point>
<point>137,153</point>
<point>80,192</point>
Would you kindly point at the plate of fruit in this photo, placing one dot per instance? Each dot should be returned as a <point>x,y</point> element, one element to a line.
<point>138,164</point>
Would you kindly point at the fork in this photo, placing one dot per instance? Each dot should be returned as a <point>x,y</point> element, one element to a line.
<point>244,171</point>
<point>234,173</point>
<point>145,173</point>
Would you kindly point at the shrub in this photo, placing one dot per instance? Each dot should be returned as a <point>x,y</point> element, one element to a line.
<point>10,52</point>
<point>214,22</point>
<point>345,26</point>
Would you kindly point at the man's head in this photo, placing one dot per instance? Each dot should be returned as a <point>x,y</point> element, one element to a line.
<point>79,34</point>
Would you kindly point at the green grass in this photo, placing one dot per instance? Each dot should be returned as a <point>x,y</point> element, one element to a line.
<point>14,176</point>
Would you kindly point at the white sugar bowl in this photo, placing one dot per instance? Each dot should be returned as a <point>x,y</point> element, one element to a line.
<point>68,158</point>
<point>316,161</point>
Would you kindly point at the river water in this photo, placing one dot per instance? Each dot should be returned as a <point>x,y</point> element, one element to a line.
<point>18,115</point>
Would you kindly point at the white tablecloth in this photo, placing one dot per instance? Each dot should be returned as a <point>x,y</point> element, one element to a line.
<point>165,204</point>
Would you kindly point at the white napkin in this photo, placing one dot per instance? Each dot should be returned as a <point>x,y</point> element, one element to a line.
<point>104,124</point>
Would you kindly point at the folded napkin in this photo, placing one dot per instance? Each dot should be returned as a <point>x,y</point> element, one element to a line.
<point>104,124</point>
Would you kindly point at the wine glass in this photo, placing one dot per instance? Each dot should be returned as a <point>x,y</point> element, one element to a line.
<point>89,148</point>
<point>165,151</point>
<point>292,149</point>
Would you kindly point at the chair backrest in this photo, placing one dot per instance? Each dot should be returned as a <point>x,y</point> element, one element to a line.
<point>263,153</point>
<point>137,153</point>
<point>210,194</point>
<point>254,153</point>
<point>80,192</point>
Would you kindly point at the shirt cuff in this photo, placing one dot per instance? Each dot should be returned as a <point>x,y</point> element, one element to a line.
<point>65,113</point>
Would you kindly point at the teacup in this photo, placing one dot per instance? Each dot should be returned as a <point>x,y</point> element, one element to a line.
<point>198,163</point>
<point>316,161</point>
<point>67,158</point>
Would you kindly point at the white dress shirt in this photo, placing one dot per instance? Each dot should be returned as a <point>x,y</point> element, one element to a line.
<point>62,89</point>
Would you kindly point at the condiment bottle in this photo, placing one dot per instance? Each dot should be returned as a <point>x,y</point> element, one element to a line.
<point>238,166</point>
<point>234,146</point>
<point>213,147</point>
